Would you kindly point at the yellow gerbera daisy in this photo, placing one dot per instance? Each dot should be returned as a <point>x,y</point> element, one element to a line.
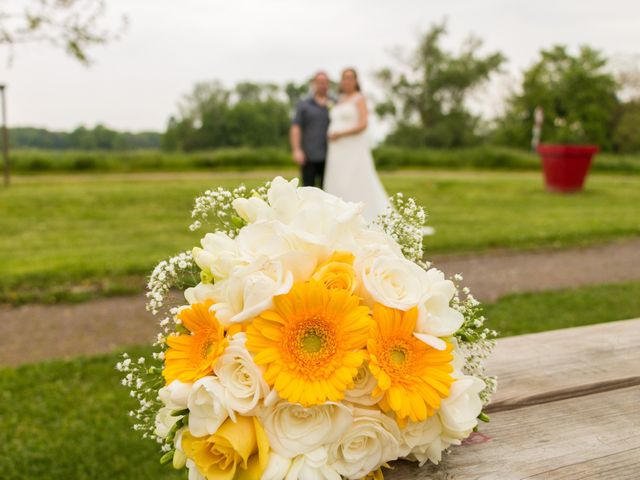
<point>412,376</point>
<point>311,343</point>
<point>191,356</point>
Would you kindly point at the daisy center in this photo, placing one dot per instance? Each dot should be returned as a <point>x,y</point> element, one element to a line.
<point>312,341</point>
<point>398,356</point>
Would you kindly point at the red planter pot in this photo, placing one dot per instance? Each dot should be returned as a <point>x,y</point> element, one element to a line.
<point>566,166</point>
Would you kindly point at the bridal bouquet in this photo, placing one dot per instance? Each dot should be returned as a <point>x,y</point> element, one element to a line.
<point>310,346</point>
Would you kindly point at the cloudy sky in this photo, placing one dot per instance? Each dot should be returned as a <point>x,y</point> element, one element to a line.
<point>136,82</point>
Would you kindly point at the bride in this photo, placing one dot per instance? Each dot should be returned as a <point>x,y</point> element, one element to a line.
<point>350,171</point>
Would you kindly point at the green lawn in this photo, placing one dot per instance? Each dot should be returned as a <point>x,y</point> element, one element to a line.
<point>63,237</point>
<point>68,419</point>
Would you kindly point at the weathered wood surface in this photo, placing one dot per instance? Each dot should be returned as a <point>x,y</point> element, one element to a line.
<point>537,367</point>
<point>568,408</point>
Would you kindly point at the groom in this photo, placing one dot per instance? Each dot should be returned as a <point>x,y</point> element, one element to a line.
<point>308,134</point>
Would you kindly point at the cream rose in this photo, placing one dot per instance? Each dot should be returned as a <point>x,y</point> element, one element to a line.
<point>423,440</point>
<point>207,407</point>
<point>295,430</point>
<point>241,377</point>
<point>312,465</point>
<point>372,440</point>
<point>363,385</point>
<point>391,281</point>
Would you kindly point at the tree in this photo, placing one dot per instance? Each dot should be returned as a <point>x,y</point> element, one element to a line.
<point>211,116</point>
<point>576,93</point>
<point>73,25</point>
<point>626,135</point>
<point>427,97</point>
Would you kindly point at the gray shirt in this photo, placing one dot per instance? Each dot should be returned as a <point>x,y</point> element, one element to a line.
<point>313,120</point>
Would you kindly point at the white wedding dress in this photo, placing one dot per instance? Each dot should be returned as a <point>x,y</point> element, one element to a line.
<point>350,172</point>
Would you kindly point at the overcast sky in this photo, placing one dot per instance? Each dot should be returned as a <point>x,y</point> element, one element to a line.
<point>136,82</point>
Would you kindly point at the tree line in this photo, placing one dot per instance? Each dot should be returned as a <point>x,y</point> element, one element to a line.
<point>82,138</point>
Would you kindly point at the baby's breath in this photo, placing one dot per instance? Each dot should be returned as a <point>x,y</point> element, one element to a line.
<point>475,340</point>
<point>215,209</point>
<point>404,221</point>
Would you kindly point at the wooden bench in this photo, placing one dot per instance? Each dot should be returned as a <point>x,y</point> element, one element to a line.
<point>567,407</point>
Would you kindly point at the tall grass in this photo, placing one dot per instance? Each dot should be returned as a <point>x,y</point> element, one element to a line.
<point>387,158</point>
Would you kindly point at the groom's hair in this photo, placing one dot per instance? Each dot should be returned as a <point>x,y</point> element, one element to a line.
<point>320,72</point>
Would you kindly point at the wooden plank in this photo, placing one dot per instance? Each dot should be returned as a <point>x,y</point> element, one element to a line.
<point>549,366</point>
<point>594,436</point>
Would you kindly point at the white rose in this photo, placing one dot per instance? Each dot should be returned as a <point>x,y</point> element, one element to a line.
<point>423,438</point>
<point>294,430</point>
<point>435,316</point>
<point>363,384</point>
<point>372,440</point>
<point>207,408</point>
<point>241,377</point>
<point>312,466</point>
<point>459,411</point>
<point>175,394</point>
<point>390,280</point>
<point>219,255</point>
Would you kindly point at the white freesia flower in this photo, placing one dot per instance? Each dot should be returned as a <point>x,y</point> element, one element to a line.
<point>207,407</point>
<point>459,411</point>
<point>218,255</point>
<point>253,209</point>
<point>295,430</point>
<point>199,293</point>
<point>391,281</point>
<point>372,440</point>
<point>164,421</point>
<point>194,474</point>
<point>424,440</point>
<point>283,198</point>
<point>265,238</point>
<point>312,466</point>
<point>363,384</point>
<point>250,290</point>
<point>277,468</point>
<point>371,241</point>
<point>324,219</point>
<point>435,315</point>
<point>175,394</point>
<point>241,378</point>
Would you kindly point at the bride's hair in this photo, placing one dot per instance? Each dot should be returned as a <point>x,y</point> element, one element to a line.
<point>355,75</point>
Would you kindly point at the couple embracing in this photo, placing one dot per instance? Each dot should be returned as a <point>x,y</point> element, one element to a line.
<point>329,142</point>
